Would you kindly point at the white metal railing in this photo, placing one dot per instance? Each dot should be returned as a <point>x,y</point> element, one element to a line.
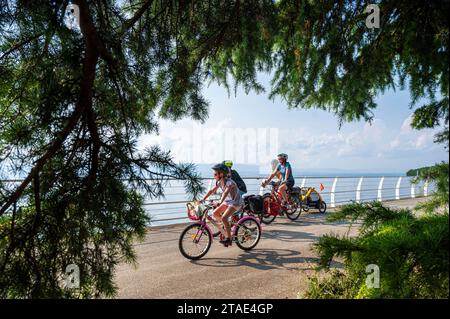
<point>358,190</point>
<point>362,188</point>
<point>343,189</point>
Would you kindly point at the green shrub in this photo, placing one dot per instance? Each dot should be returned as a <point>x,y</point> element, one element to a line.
<point>411,253</point>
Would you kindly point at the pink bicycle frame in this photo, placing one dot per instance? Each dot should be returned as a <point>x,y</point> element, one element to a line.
<point>204,224</point>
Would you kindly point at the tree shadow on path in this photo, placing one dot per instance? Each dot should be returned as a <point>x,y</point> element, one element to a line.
<point>266,259</point>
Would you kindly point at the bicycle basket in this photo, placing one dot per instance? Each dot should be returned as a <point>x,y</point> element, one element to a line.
<point>195,210</point>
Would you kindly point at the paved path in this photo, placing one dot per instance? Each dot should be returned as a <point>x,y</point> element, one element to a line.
<point>277,268</point>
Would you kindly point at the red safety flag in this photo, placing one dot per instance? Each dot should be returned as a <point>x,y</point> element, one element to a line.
<point>321,187</point>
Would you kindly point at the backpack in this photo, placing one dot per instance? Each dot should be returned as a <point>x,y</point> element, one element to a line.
<point>295,191</point>
<point>239,181</point>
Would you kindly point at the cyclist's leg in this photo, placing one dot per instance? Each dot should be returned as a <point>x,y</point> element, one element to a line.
<point>282,189</point>
<point>226,217</point>
<point>218,212</point>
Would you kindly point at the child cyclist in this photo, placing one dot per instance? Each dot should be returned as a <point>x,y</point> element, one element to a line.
<point>230,201</point>
<point>284,170</point>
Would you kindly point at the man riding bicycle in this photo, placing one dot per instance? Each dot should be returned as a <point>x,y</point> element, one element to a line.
<point>287,178</point>
<point>230,201</point>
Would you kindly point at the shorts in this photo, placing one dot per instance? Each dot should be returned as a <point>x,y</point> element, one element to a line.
<point>232,204</point>
<point>290,184</point>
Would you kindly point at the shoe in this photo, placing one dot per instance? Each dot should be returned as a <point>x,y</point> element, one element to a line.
<point>226,242</point>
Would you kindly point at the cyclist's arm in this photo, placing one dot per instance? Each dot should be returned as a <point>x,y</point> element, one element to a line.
<point>271,176</point>
<point>209,193</point>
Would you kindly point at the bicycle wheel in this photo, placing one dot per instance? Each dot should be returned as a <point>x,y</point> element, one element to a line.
<point>322,207</point>
<point>305,205</point>
<point>296,210</point>
<point>195,241</point>
<point>247,234</point>
<point>266,218</point>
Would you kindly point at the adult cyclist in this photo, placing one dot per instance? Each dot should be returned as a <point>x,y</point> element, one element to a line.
<point>230,201</point>
<point>234,175</point>
<point>284,170</point>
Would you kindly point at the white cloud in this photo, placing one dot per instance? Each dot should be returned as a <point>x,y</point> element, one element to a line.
<point>409,139</point>
<point>406,126</point>
<point>366,146</point>
<point>371,141</point>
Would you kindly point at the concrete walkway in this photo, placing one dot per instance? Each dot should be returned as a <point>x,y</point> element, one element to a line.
<point>277,268</point>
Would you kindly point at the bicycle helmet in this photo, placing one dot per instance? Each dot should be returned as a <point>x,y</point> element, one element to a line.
<point>283,155</point>
<point>220,168</point>
<point>228,163</point>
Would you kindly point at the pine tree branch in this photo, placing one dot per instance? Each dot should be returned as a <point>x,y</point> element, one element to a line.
<point>93,130</point>
<point>130,22</point>
<point>84,101</point>
<point>21,44</point>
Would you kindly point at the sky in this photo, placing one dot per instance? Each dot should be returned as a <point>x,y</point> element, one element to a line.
<point>251,129</point>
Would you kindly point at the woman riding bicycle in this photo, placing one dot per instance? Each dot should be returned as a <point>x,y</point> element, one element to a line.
<point>230,201</point>
<point>287,179</point>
